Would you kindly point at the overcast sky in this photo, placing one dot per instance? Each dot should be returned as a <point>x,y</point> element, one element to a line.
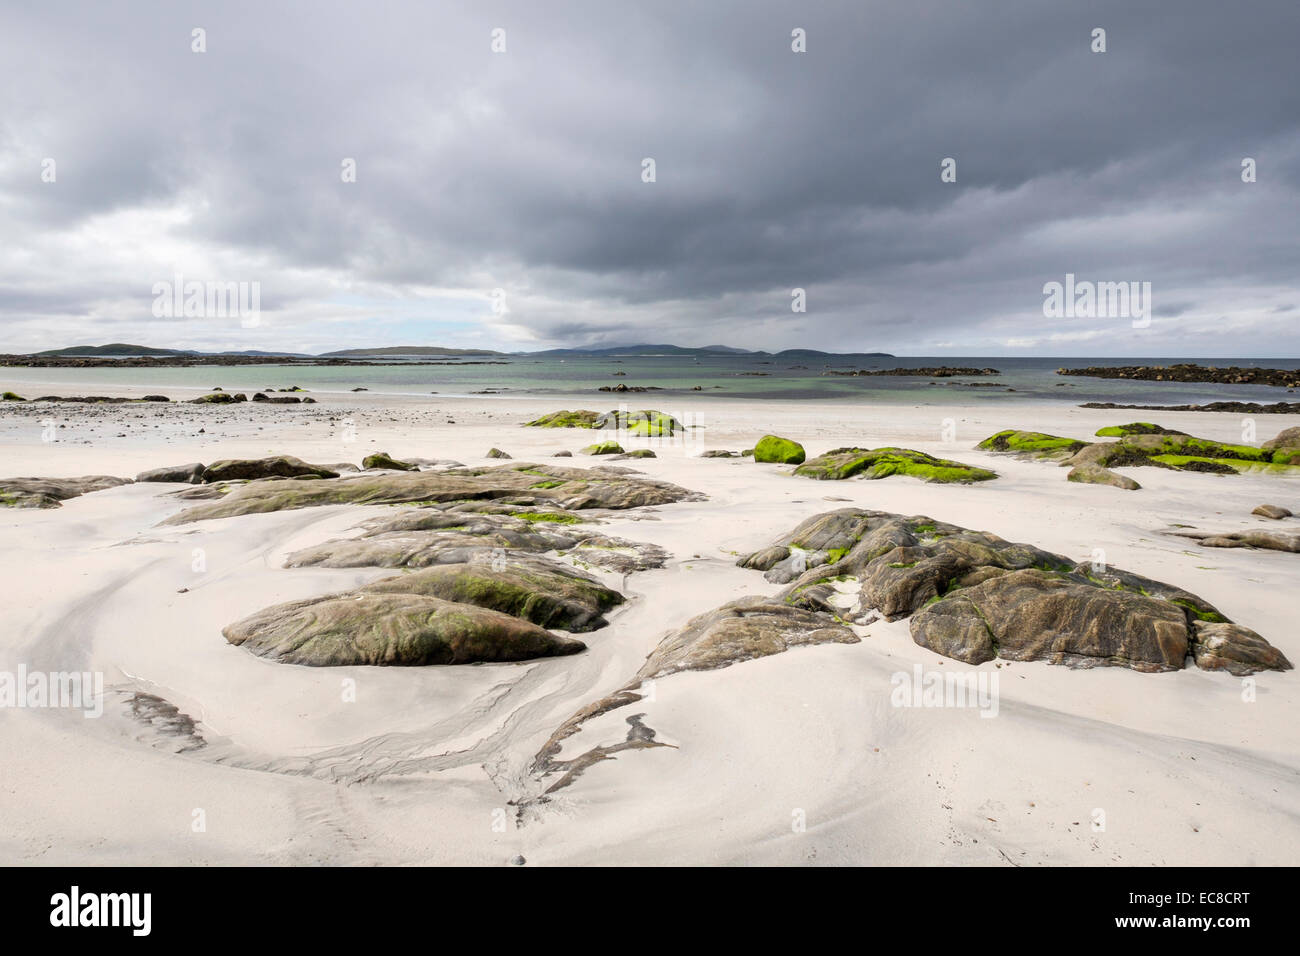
<point>522,171</point>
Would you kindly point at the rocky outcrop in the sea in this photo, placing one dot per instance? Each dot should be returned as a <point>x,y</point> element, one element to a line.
<point>776,450</point>
<point>1184,372</point>
<point>522,484</point>
<point>497,453</point>
<point>1250,408</point>
<point>602,448</point>
<point>49,492</point>
<point>974,596</point>
<point>927,371</point>
<point>276,466</point>
<point>874,463</point>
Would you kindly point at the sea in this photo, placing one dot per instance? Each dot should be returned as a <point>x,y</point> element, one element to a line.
<point>722,376</point>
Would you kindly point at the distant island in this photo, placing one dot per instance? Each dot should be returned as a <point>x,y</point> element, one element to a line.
<point>127,355</point>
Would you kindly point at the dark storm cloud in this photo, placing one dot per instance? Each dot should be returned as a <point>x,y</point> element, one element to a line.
<point>521,170</point>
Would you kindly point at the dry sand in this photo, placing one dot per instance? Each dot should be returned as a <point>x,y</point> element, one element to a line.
<point>795,758</point>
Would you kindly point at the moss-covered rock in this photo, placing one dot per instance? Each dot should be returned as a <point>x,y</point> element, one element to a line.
<point>637,453</point>
<point>882,462</point>
<point>385,461</point>
<point>1135,428</point>
<point>277,466</point>
<point>12,397</point>
<point>647,423</point>
<point>579,418</point>
<point>781,451</point>
<point>392,629</point>
<point>497,453</point>
<point>547,593</point>
<point>1284,448</point>
<point>1178,444</point>
<point>1031,444</point>
<point>49,492</point>
<point>219,398</point>
<point>602,448</point>
<point>973,596</point>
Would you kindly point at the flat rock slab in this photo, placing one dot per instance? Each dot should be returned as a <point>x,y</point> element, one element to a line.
<point>741,630</point>
<point>550,485</point>
<point>422,537</point>
<point>49,492</point>
<point>392,629</point>
<point>1264,540</point>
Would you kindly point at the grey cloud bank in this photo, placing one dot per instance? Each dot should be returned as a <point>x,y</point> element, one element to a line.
<point>521,171</point>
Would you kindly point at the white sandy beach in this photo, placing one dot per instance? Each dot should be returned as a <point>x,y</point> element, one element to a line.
<point>429,763</point>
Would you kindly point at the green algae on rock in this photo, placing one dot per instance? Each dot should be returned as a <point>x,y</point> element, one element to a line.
<point>781,451</point>
<point>1135,428</point>
<point>1031,444</point>
<point>581,418</point>
<point>383,460</point>
<point>1149,444</point>
<point>602,448</point>
<point>875,463</point>
<point>647,423</point>
<point>547,593</point>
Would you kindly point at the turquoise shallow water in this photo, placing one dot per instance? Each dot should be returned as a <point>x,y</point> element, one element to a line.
<point>732,377</point>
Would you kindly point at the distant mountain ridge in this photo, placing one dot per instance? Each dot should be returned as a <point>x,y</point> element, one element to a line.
<point>125,350</point>
<point>407,350</point>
